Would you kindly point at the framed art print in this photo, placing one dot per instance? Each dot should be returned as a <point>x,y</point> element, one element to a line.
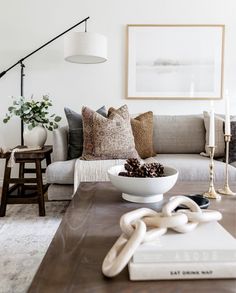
<point>175,61</point>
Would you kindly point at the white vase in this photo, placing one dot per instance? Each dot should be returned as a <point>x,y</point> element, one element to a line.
<point>35,137</point>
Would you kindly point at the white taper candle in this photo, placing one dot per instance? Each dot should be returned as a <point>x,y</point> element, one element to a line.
<point>227,115</point>
<point>212,127</point>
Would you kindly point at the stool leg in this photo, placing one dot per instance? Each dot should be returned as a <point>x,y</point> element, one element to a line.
<point>40,188</point>
<point>5,188</point>
<point>48,159</point>
<point>21,176</point>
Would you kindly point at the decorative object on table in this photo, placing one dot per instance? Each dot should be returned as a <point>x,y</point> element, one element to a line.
<point>12,159</point>
<point>75,139</point>
<point>134,168</point>
<point>226,189</point>
<point>211,193</point>
<point>4,150</point>
<point>36,118</point>
<point>219,134</point>
<point>144,190</point>
<point>197,255</point>
<point>201,201</point>
<point>175,61</point>
<point>79,47</point>
<point>146,225</point>
<point>108,138</point>
<point>142,127</point>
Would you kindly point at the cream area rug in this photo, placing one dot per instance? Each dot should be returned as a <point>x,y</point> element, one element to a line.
<point>24,239</point>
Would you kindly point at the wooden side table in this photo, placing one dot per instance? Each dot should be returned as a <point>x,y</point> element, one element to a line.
<point>25,190</point>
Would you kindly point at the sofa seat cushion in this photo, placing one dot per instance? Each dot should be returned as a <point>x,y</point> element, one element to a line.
<point>194,167</point>
<point>60,191</point>
<point>61,172</point>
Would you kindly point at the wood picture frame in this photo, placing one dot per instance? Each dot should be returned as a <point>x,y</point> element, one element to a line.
<point>175,61</point>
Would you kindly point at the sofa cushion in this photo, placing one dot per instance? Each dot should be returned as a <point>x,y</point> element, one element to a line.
<point>75,141</point>
<point>61,172</point>
<point>193,167</point>
<point>142,128</point>
<point>178,134</point>
<point>60,192</point>
<point>219,134</point>
<point>232,144</point>
<point>108,138</point>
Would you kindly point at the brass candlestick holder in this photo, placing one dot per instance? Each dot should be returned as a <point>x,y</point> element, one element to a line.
<point>226,189</point>
<point>211,193</point>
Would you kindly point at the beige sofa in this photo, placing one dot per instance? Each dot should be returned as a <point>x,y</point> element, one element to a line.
<point>178,142</point>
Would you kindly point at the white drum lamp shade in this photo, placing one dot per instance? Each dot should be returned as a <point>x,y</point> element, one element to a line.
<point>85,47</point>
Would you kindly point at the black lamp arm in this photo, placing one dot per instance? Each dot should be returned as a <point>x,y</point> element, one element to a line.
<point>44,45</point>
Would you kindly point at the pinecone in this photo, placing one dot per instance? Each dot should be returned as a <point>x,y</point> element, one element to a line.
<point>135,169</point>
<point>125,174</point>
<point>133,163</point>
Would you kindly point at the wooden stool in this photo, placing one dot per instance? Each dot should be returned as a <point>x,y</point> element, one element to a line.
<point>25,190</point>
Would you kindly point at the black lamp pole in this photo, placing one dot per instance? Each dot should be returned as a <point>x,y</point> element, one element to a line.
<point>27,56</point>
<point>22,74</point>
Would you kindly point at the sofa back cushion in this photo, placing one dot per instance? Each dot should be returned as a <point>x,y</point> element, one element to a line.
<point>108,138</point>
<point>142,128</point>
<point>179,134</point>
<point>232,145</point>
<point>75,140</point>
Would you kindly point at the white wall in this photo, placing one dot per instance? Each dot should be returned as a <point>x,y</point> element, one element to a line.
<point>26,24</point>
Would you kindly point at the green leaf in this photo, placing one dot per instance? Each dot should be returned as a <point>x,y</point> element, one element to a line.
<point>57,119</point>
<point>33,112</point>
<point>10,109</point>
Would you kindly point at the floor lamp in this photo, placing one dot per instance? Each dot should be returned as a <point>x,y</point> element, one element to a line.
<point>79,47</point>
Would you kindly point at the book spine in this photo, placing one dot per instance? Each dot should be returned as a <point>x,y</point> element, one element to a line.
<point>176,271</point>
<point>185,256</point>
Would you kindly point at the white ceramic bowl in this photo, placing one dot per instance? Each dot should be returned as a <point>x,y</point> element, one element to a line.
<point>143,190</point>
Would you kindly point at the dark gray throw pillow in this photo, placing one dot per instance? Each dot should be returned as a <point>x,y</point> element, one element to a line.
<point>75,124</point>
<point>232,144</point>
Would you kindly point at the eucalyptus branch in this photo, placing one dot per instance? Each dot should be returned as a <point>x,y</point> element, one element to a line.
<point>33,112</point>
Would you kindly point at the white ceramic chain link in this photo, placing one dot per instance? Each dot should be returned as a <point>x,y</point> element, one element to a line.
<point>145,225</point>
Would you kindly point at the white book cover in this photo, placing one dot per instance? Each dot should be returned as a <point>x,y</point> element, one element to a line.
<point>175,271</point>
<point>209,242</point>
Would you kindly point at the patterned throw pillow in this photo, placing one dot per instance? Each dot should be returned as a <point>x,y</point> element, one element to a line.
<point>75,139</point>
<point>232,144</point>
<point>108,138</point>
<point>219,134</point>
<point>142,127</point>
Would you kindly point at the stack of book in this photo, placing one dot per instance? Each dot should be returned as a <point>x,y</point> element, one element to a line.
<point>207,252</point>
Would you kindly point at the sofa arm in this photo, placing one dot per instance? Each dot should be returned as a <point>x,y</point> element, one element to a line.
<point>60,144</point>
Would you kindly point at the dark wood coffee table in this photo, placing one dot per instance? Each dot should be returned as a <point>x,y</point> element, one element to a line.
<point>88,230</point>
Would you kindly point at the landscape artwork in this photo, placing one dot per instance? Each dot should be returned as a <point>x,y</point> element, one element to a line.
<point>175,61</point>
